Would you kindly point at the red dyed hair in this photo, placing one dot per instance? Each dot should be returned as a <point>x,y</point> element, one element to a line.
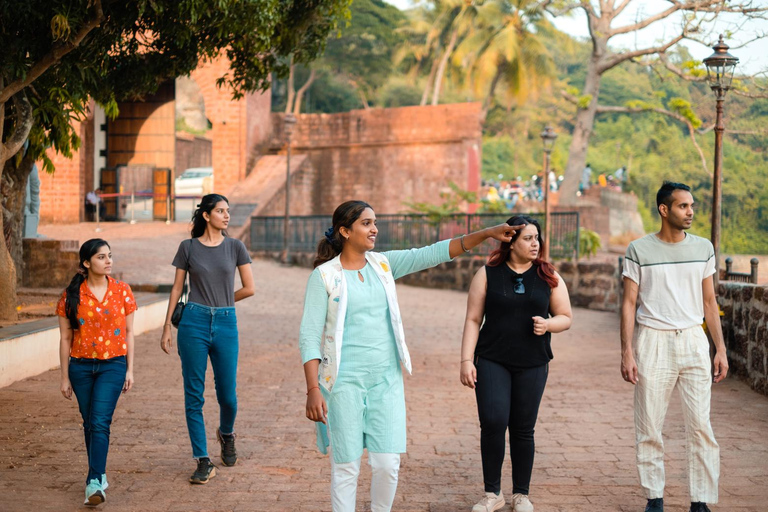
<point>545,269</point>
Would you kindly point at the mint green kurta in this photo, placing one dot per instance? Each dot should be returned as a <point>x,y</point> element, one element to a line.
<point>366,407</point>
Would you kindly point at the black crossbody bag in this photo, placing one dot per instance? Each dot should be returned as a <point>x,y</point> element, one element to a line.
<point>178,311</point>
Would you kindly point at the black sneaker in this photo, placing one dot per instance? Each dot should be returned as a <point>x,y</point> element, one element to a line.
<point>698,506</point>
<point>655,505</point>
<point>228,452</point>
<point>204,472</point>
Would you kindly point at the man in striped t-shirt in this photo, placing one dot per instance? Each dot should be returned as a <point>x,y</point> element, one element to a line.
<point>668,289</point>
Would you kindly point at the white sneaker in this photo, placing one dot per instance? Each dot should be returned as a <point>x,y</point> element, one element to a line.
<point>521,503</point>
<point>490,503</point>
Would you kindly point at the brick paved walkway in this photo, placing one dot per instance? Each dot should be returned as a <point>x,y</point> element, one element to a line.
<point>584,462</point>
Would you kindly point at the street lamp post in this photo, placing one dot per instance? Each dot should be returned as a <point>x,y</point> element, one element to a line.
<point>720,67</point>
<point>548,137</point>
<point>289,121</point>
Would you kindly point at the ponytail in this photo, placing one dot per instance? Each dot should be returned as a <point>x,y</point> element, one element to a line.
<point>73,299</point>
<point>327,248</point>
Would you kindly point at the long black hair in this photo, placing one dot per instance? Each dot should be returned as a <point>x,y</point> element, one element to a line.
<point>207,204</point>
<point>332,243</point>
<point>87,251</point>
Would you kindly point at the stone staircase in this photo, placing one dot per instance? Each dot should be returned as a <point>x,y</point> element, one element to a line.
<point>262,192</point>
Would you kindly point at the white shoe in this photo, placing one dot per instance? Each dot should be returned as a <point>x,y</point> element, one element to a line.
<point>490,503</point>
<point>521,503</point>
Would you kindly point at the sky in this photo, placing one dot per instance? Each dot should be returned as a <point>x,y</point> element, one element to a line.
<point>753,57</point>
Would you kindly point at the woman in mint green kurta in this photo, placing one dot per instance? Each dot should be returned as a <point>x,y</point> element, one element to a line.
<point>352,344</point>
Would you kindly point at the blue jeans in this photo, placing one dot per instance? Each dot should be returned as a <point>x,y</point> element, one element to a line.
<point>97,384</point>
<point>208,332</point>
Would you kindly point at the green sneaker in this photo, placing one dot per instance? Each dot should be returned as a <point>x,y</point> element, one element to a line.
<point>94,493</point>
<point>204,472</point>
<point>104,483</point>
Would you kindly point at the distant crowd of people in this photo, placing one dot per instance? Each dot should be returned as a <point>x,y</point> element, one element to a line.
<point>616,180</point>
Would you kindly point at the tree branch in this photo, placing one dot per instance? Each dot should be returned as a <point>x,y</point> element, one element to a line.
<point>621,7</point>
<point>602,109</point>
<point>300,92</point>
<point>749,94</point>
<point>644,23</point>
<point>57,52</point>
<point>617,58</point>
<point>677,71</point>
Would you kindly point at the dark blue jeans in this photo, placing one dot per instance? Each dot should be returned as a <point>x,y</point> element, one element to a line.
<point>208,332</point>
<point>97,384</point>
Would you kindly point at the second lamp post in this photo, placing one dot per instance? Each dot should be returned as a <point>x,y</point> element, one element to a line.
<point>289,121</point>
<point>548,137</point>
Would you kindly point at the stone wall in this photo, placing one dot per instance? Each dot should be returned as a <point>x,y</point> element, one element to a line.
<point>745,329</point>
<point>387,156</point>
<point>49,263</point>
<point>591,285</point>
<point>192,151</point>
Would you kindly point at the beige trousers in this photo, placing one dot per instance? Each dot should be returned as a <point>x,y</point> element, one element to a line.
<point>666,359</point>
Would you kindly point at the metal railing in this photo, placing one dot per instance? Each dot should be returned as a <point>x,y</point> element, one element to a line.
<point>741,277</point>
<point>403,231</point>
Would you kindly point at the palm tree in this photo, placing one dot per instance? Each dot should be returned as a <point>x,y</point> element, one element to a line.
<point>505,50</point>
<point>485,43</point>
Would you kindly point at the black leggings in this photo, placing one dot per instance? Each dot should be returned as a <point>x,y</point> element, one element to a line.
<point>508,398</point>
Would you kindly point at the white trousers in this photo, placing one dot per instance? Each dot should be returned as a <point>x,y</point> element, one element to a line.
<point>666,359</point>
<point>384,471</point>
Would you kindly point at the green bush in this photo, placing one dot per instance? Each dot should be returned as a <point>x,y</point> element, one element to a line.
<point>589,243</point>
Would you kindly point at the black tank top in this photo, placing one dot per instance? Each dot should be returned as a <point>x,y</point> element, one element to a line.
<point>507,336</point>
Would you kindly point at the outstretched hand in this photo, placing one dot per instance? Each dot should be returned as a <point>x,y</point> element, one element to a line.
<point>504,232</point>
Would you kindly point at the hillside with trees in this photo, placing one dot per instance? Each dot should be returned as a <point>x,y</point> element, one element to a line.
<point>655,116</point>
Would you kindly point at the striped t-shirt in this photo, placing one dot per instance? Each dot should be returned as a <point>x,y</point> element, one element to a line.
<point>669,277</point>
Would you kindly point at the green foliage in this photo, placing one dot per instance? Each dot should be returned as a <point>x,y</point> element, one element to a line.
<point>138,45</point>
<point>584,100</point>
<point>452,203</point>
<point>683,108</point>
<point>589,243</point>
<point>356,63</point>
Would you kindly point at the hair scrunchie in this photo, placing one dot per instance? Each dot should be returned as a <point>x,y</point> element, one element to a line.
<point>329,236</point>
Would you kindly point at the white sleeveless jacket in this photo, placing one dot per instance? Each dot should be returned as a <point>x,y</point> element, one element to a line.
<point>332,274</point>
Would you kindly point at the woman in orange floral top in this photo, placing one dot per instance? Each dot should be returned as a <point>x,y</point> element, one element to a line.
<point>96,324</point>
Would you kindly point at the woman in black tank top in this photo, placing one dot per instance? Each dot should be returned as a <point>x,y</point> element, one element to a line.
<point>520,300</point>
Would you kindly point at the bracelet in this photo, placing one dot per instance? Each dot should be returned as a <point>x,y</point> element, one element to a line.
<point>465,360</point>
<point>463,247</point>
<point>310,389</point>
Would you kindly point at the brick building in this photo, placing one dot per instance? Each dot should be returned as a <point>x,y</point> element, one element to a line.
<point>386,156</point>
<point>144,136</point>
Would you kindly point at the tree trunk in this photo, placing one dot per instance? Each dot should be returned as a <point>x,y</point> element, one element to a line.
<point>300,92</point>
<point>7,268</point>
<point>291,92</point>
<point>488,101</point>
<point>14,188</point>
<point>364,100</point>
<point>441,68</point>
<point>428,85</point>
<point>585,121</point>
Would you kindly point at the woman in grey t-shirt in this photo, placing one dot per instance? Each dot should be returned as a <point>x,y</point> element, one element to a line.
<point>208,327</point>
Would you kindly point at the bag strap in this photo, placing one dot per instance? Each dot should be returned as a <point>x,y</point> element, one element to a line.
<point>185,290</point>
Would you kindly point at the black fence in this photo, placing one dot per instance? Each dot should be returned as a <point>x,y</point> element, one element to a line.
<point>406,231</point>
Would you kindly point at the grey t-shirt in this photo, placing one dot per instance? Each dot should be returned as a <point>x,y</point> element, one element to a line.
<point>211,270</point>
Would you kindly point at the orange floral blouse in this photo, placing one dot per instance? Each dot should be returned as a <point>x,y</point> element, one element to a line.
<point>102,324</point>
